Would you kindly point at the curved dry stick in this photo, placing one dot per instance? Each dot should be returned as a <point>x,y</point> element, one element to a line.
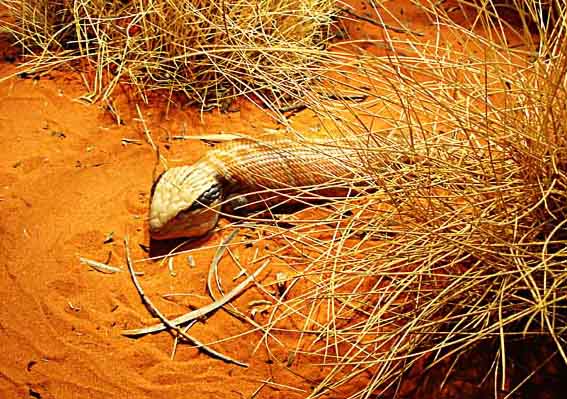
<point>217,258</point>
<point>166,322</point>
<point>198,313</point>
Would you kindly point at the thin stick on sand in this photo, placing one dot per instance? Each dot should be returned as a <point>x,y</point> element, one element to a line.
<point>166,322</point>
<point>198,313</point>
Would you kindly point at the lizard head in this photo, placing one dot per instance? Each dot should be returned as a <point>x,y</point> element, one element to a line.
<point>185,202</point>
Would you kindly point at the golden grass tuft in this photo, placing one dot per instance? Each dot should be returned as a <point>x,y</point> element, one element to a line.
<point>210,51</point>
<point>459,241</point>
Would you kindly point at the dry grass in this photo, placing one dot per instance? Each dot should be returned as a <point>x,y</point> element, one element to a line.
<point>210,51</point>
<point>460,242</point>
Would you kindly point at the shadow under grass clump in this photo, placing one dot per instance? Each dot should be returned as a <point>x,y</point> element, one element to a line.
<point>534,370</point>
<point>209,51</point>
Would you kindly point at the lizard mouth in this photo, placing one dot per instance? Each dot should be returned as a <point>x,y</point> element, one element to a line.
<point>197,225</point>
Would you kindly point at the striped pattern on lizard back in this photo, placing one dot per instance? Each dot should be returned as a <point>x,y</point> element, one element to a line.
<point>186,200</point>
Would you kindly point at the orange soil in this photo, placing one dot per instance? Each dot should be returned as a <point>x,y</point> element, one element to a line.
<point>66,182</point>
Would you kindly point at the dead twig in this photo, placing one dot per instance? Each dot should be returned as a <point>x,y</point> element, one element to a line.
<point>198,313</point>
<point>216,259</point>
<point>166,322</point>
<point>99,266</point>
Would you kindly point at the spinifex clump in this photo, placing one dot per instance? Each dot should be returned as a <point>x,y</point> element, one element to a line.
<point>210,51</point>
<point>460,243</point>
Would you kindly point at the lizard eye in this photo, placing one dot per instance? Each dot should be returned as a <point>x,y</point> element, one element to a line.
<point>206,199</point>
